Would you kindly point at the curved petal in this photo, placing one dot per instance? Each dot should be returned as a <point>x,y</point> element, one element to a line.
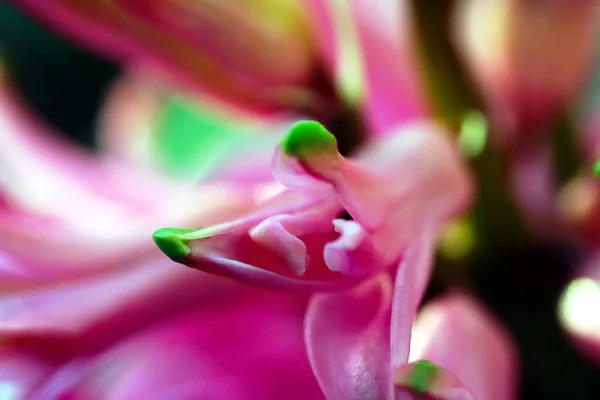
<point>348,342</point>
<point>411,281</point>
<point>458,334</point>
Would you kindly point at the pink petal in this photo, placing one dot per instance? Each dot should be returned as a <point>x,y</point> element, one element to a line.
<point>347,336</point>
<point>458,334</point>
<point>411,281</point>
<point>109,302</point>
<point>251,350</point>
<point>21,372</point>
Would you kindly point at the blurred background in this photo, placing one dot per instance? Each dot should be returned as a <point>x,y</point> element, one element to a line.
<point>66,86</point>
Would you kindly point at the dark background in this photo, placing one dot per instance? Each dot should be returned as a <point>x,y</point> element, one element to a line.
<point>522,285</point>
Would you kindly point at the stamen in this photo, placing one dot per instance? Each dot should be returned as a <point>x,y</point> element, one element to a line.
<point>172,242</point>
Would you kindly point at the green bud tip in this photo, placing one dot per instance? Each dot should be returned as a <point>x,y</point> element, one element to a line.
<point>171,242</point>
<point>597,168</point>
<point>423,374</point>
<point>308,137</point>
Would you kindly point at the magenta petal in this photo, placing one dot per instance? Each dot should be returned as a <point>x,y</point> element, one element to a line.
<point>347,336</point>
<point>245,350</point>
<point>458,334</point>
<point>411,281</point>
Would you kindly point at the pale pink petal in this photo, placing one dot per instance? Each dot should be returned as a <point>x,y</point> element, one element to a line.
<point>108,302</point>
<point>347,336</point>
<point>411,281</point>
<point>458,334</point>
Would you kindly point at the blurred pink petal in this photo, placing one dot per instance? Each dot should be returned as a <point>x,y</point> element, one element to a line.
<point>246,54</point>
<point>22,372</point>
<point>245,350</point>
<point>411,282</point>
<point>458,334</point>
<point>296,237</point>
<point>367,46</point>
<point>526,80</point>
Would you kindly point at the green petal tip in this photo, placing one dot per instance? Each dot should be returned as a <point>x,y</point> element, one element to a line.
<point>422,375</point>
<point>306,138</point>
<point>170,242</point>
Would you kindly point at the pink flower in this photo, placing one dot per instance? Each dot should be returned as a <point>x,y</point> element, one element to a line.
<point>298,238</point>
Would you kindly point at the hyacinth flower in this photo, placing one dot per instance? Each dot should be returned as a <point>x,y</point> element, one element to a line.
<point>336,221</point>
<point>526,81</point>
<point>253,54</point>
<point>66,270</point>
